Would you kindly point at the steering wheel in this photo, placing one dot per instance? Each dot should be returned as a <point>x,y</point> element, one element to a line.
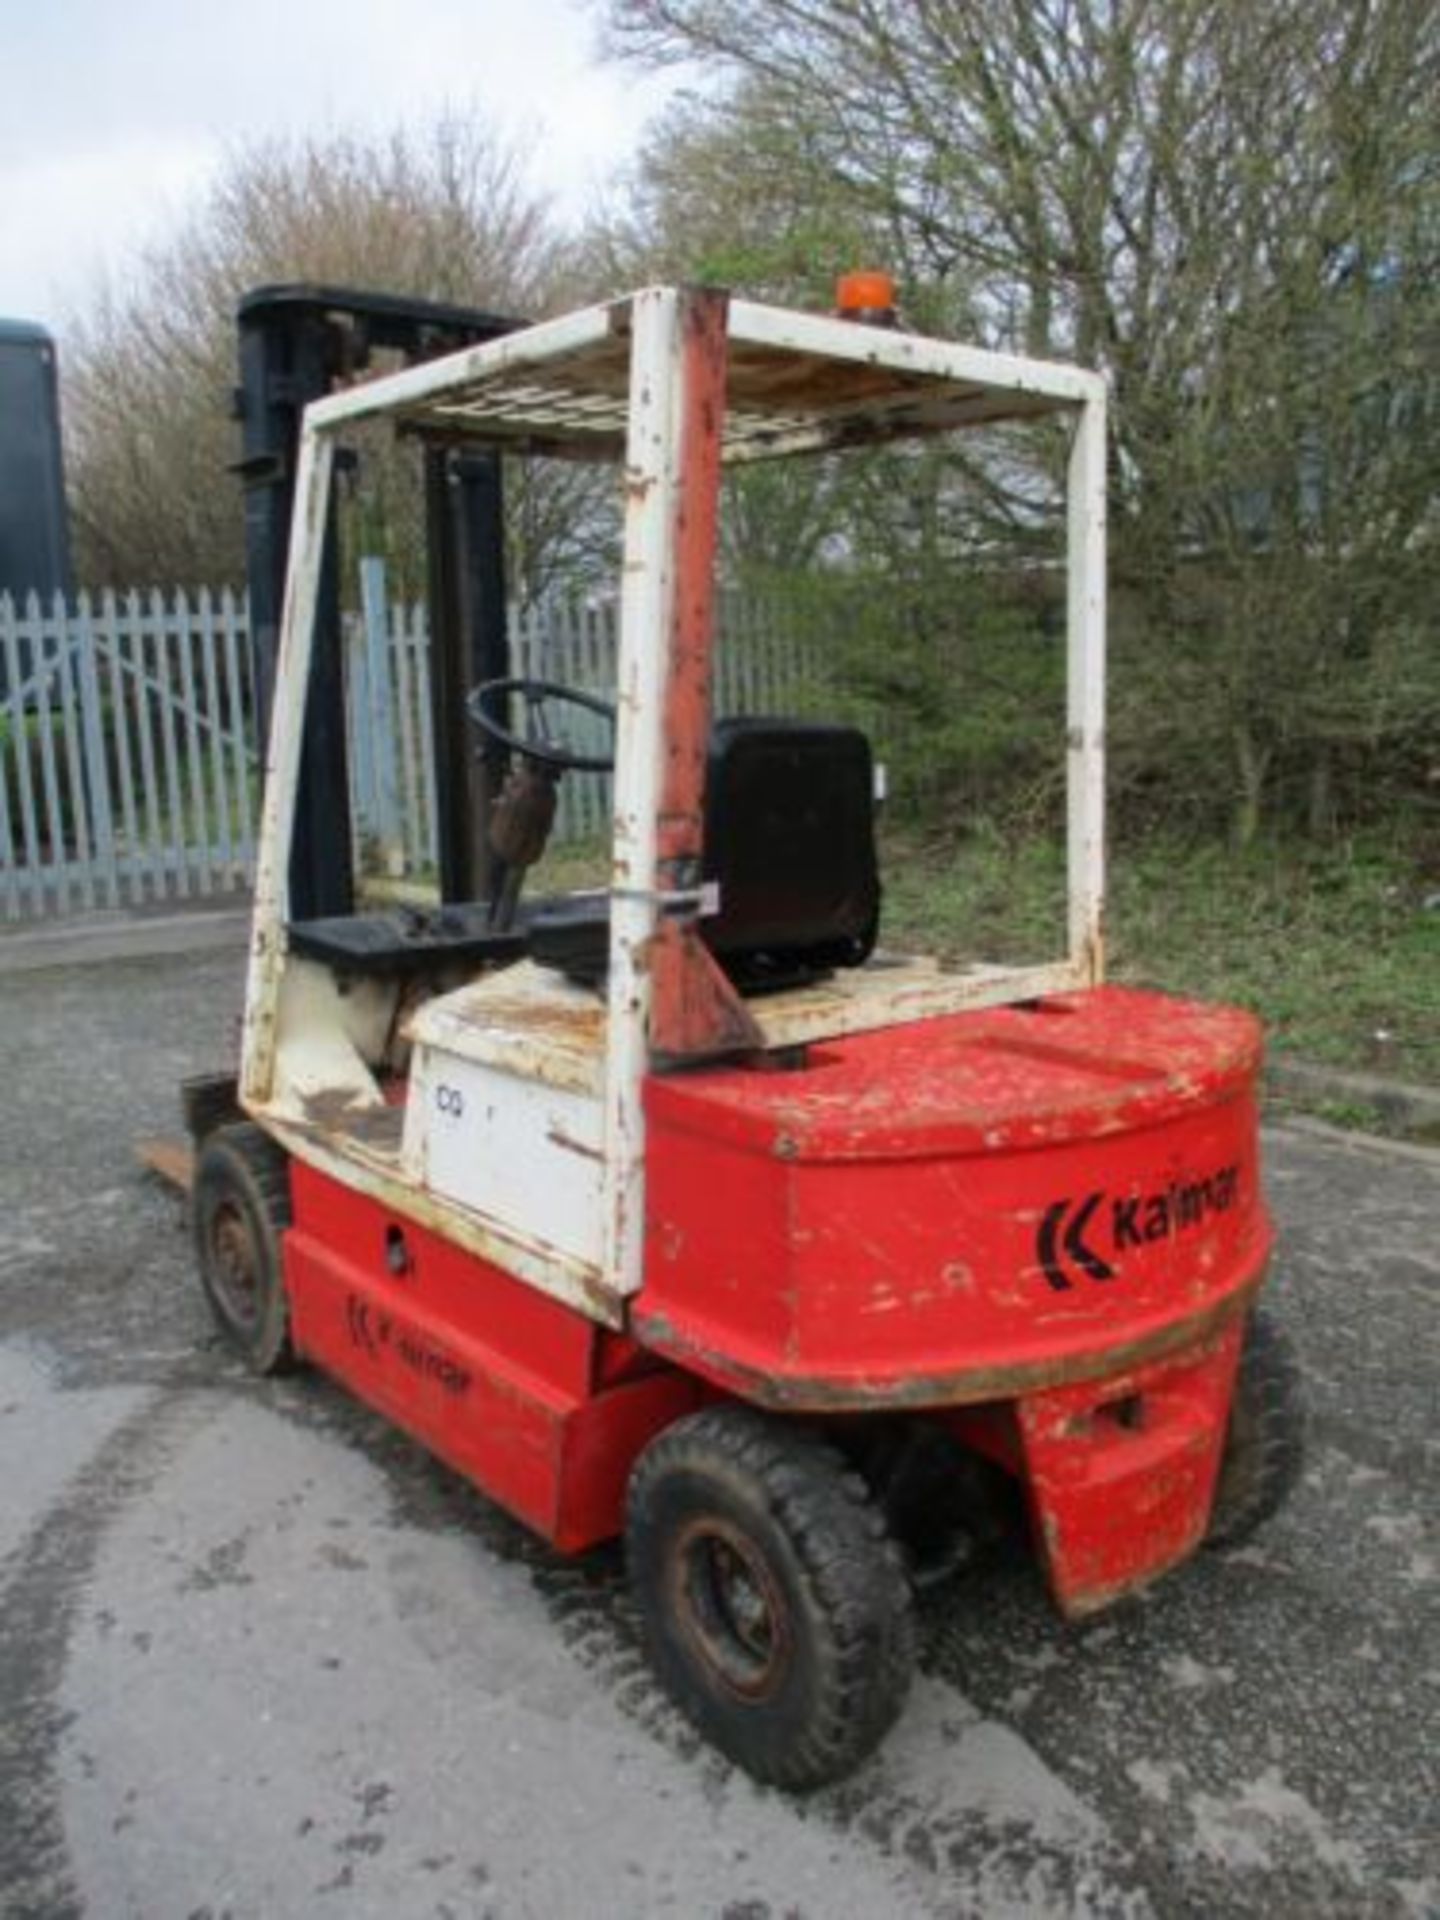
<point>537,742</point>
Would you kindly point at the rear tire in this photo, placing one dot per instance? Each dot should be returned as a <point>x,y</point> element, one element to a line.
<point>241,1208</point>
<point>774,1604</point>
<point>1265,1444</point>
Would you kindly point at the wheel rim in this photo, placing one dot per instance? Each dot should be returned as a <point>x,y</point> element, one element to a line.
<point>235,1264</point>
<point>730,1608</point>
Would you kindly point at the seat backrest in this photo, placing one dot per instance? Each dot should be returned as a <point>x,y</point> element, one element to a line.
<point>789,850</point>
<point>790,844</point>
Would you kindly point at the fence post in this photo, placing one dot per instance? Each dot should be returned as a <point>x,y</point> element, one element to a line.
<point>79,872</point>
<point>248,756</point>
<point>109,628</point>
<point>219,782</point>
<point>154,851</point>
<point>10,742</point>
<point>49,772</point>
<point>376,718</point>
<point>174,823</point>
<point>198,856</point>
<point>425,738</point>
<point>359,738</point>
<point>97,771</point>
<point>30,886</point>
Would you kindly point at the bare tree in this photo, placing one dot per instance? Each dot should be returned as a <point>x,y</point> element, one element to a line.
<point>445,214</point>
<point>1233,211</point>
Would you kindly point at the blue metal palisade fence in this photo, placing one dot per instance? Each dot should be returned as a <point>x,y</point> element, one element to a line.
<point>126,768</point>
<point>129,768</point>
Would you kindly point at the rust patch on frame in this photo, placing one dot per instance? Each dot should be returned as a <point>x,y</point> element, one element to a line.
<point>703,1016</point>
<point>368,1169</point>
<point>695,1012</point>
<point>955,1387</point>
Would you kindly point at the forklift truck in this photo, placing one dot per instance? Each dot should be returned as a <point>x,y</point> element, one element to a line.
<point>683,1211</point>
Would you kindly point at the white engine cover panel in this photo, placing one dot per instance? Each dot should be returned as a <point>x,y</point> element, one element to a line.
<point>517,1151</point>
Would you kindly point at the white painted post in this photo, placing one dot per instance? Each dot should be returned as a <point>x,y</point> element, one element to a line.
<point>651,479</point>
<point>425,739</point>
<point>1085,695</point>
<point>597,673</point>
<point>282,773</point>
<point>9,864</point>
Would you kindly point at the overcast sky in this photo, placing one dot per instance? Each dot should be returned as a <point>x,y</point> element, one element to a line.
<point>116,111</point>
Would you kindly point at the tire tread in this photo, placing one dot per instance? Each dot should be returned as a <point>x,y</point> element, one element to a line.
<point>1265,1448</point>
<point>263,1167</point>
<point>857,1572</point>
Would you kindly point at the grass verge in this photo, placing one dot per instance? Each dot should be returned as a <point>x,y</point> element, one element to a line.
<point>1337,951</point>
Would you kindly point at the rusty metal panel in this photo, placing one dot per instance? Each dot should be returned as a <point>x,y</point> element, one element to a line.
<point>172,1161</point>
<point>796,382</point>
<point>512,1148</point>
<point>369,1163</point>
<point>895,991</point>
<point>905,356</point>
<point>524,1019</point>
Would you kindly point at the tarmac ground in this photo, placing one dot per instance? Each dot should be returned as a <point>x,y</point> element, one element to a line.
<point>260,1655</point>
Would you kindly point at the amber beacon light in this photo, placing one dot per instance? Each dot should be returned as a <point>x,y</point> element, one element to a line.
<point>867,296</point>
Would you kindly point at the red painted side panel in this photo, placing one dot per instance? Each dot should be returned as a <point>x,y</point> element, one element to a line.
<point>544,1410</point>
<point>957,1210</point>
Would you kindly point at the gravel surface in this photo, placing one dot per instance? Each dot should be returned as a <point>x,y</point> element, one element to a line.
<point>260,1656</point>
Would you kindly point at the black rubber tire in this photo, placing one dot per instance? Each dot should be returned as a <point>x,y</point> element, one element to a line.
<point>944,1505</point>
<point>1265,1445</point>
<point>240,1206</point>
<point>801,1691</point>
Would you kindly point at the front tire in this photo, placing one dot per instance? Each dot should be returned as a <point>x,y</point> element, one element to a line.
<point>241,1208</point>
<point>1265,1444</point>
<point>774,1604</point>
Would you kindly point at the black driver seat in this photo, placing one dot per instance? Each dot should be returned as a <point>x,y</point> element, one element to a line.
<point>789,849</point>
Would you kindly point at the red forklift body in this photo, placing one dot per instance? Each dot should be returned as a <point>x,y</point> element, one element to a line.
<point>1038,1223</point>
<point>960,1209</point>
<point>542,1407</point>
<point>1049,1214</point>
